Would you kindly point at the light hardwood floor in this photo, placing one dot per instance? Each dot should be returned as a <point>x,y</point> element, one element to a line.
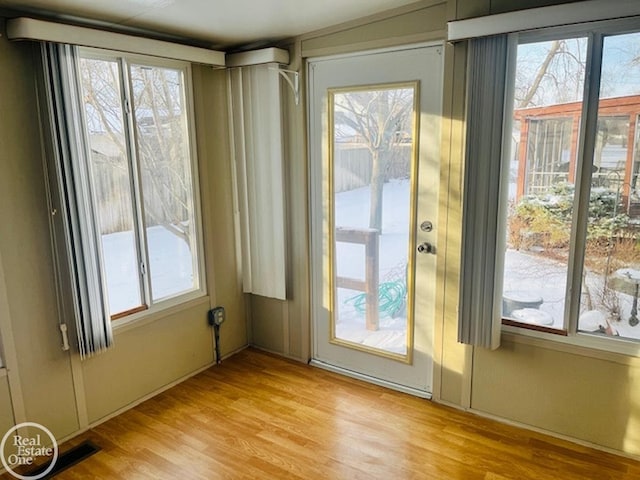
<point>257,416</point>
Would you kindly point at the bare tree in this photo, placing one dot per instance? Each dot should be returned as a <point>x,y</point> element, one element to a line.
<point>550,72</point>
<point>161,143</point>
<point>382,119</point>
<point>163,148</point>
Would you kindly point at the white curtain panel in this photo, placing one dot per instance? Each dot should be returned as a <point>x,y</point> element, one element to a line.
<point>257,130</point>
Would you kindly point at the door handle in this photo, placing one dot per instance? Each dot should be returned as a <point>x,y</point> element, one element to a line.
<point>426,247</point>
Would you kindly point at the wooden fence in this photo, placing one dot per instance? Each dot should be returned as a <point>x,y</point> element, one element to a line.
<point>352,165</point>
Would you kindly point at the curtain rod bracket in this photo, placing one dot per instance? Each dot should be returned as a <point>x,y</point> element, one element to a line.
<point>294,84</point>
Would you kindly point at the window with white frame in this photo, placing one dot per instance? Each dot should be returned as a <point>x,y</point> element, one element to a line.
<point>571,200</point>
<point>138,177</point>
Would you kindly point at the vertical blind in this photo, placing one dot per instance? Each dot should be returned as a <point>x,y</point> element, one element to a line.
<point>257,125</point>
<point>479,319</point>
<point>70,194</point>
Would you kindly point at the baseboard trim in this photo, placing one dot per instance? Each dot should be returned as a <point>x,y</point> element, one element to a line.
<point>366,378</point>
<point>135,403</point>
<point>526,426</point>
<point>279,354</point>
<point>553,434</point>
<point>233,352</point>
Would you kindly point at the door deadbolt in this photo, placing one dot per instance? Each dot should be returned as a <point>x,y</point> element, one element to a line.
<point>426,247</point>
<point>426,226</point>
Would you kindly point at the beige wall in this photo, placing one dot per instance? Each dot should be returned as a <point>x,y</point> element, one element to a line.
<point>416,23</point>
<point>146,358</point>
<point>463,9</point>
<point>592,399</point>
<point>451,360</point>
<point>54,387</point>
<point>283,326</point>
<point>6,410</point>
<point>214,153</point>
<point>45,374</point>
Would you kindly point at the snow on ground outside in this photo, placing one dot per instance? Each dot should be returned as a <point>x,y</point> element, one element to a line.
<point>171,267</point>
<point>538,277</point>
<point>528,272</point>
<point>547,278</point>
<point>352,210</point>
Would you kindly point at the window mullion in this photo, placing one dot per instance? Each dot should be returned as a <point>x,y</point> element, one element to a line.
<point>586,148</point>
<point>137,200</point>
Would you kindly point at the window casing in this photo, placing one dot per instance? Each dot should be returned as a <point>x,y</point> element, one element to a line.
<point>139,180</point>
<point>571,242</point>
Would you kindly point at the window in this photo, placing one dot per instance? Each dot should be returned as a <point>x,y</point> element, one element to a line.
<point>571,261</point>
<point>139,179</point>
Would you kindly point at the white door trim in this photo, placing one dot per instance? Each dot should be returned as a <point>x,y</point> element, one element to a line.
<point>369,379</point>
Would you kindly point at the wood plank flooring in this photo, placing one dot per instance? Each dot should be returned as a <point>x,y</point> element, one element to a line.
<point>257,416</point>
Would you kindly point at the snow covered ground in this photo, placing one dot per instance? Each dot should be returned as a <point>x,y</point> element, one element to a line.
<point>540,277</point>
<point>527,272</point>
<point>352,210</point>
<point>170,267</point>
<point>546,278</point>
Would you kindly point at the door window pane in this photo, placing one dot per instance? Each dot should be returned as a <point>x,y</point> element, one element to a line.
<point>546,118</point>
<point>612,258</point>
<point>372,165</point>
<point>163,150</point>
<point>111,182</point>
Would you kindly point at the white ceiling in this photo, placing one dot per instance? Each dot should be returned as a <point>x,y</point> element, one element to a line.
<point>215,23</point>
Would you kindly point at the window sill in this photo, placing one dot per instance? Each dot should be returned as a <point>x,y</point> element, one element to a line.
<point>535,328</point>
<point>148,316</point>
<point>620,351</point>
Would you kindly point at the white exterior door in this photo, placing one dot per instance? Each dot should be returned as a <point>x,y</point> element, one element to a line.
<point>375,134</point>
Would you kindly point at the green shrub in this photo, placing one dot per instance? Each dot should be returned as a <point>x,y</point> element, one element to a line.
<point>545,220</point>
